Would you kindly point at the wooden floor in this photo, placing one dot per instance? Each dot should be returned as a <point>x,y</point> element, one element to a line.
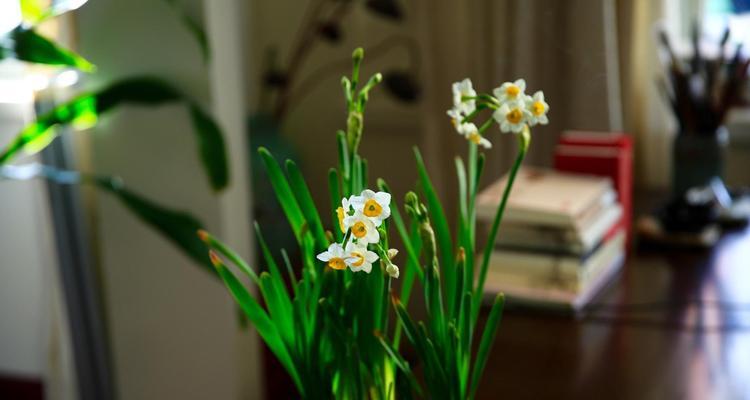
<point>674,325</point>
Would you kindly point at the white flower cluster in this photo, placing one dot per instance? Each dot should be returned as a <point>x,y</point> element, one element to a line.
<point>513,109</point>
<point>359,217</point>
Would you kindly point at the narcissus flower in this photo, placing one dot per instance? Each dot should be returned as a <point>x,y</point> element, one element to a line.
<point>460,90</point>
<point>375,206</point>
<point>466,129</point>
<point>538,109</point>
<point>342,212</point>
<point>334,256</point>
<point>510,91</point>
<point>478,139</point>
<point>456,117</point>
<point>359,258</point>
<point>363,228</point>
<point>512,116</point>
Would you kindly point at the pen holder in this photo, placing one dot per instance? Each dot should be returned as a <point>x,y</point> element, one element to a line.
<point>697,158</point>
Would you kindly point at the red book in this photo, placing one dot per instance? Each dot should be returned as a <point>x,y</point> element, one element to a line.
<point>603,154</point>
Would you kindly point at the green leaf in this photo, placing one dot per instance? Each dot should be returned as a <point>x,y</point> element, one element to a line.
<point>411,252</point>
<point>307,205</point>
<point>488,337</point>
<point>279,307</point>
<point>284,194</point>
<point>32,11</point>
<point>35,11</point>
<point>177,226</point>
<point>84,110</point>
<point>262,323</point>
<point>216,244</point>
<point>211,147</point>
<point>442,231</point>
<point>400,362</point>
<point>194,27</point>
<point>29,46</point>
<point>334,191</point>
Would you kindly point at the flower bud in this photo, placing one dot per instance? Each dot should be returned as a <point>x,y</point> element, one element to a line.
<point>392,271</point>
<point>392,253</point>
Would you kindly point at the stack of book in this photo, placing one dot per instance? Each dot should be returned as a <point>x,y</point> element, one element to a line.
<point>561,240</point>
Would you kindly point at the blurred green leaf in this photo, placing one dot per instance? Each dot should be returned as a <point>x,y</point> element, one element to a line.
<point>284,194</point>
<point>84,110</point>
<point>177,226</point>
<point>32,11</point>
<point>307,205</point>
<point>442,231</point>
<point>262,323</point>
<point>193,26</point>
<point>36,11</point>
<point>29,46</point>
<point>211,147</point>
<point>488,337</point>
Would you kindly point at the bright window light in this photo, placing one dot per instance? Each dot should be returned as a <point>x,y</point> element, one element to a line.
<point>10,15</point>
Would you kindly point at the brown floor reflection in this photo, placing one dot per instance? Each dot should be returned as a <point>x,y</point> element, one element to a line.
<point>675,325</point>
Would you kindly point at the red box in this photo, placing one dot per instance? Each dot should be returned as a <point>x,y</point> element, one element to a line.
<point>604,154</point>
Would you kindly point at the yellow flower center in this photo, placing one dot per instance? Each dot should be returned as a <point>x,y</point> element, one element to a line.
<point>454,121</point>
<point>341,215</point>
<point>360,259</point>
<point>372,208</point>
<point>475,138</point>
<point>537,108</point>
<point>359,229</point>
<point>337,263</point>
<point>512,91</point>
<point>514,116</point>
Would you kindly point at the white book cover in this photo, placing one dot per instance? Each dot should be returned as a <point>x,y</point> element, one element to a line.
<point>545,269</point>
<point>578,241</point>
<point>557,298</point>
<point>546,196</point>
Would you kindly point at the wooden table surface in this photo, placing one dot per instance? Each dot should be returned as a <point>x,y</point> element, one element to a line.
<point>674,325</point>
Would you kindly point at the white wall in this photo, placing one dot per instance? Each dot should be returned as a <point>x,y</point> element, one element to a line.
<point>172,325</point>
<point>25,255</point>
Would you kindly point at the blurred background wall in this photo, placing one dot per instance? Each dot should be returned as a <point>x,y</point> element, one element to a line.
<point>172,326</point>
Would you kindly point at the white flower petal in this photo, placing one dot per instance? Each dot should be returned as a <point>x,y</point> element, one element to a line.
<point>383,198</point>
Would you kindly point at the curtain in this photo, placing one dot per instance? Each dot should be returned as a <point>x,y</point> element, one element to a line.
<point>595,60</point>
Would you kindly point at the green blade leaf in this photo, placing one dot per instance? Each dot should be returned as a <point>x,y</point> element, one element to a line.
<point>262,323</point>
<point>411,252</point>
<point>211,147</point>
<point>194,27</point>
<point>334,191</point>
<point>32,47</point>
<point>177,226</point>
<point>442,231</point>
<point>216,244</point>
<point>279,307</point>
<point>32,11</point>
<point>488,337</point>
<point>400,362</point>
<point>307,205</point>
<point>284,194</point>
<point>83,111</point>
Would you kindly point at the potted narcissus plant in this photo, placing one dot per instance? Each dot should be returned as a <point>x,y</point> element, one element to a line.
<point>332,329</point>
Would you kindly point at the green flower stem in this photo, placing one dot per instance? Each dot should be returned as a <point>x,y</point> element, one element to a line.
<point>486,125</point>
<point>523,146</point>
<point>484,98</point>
